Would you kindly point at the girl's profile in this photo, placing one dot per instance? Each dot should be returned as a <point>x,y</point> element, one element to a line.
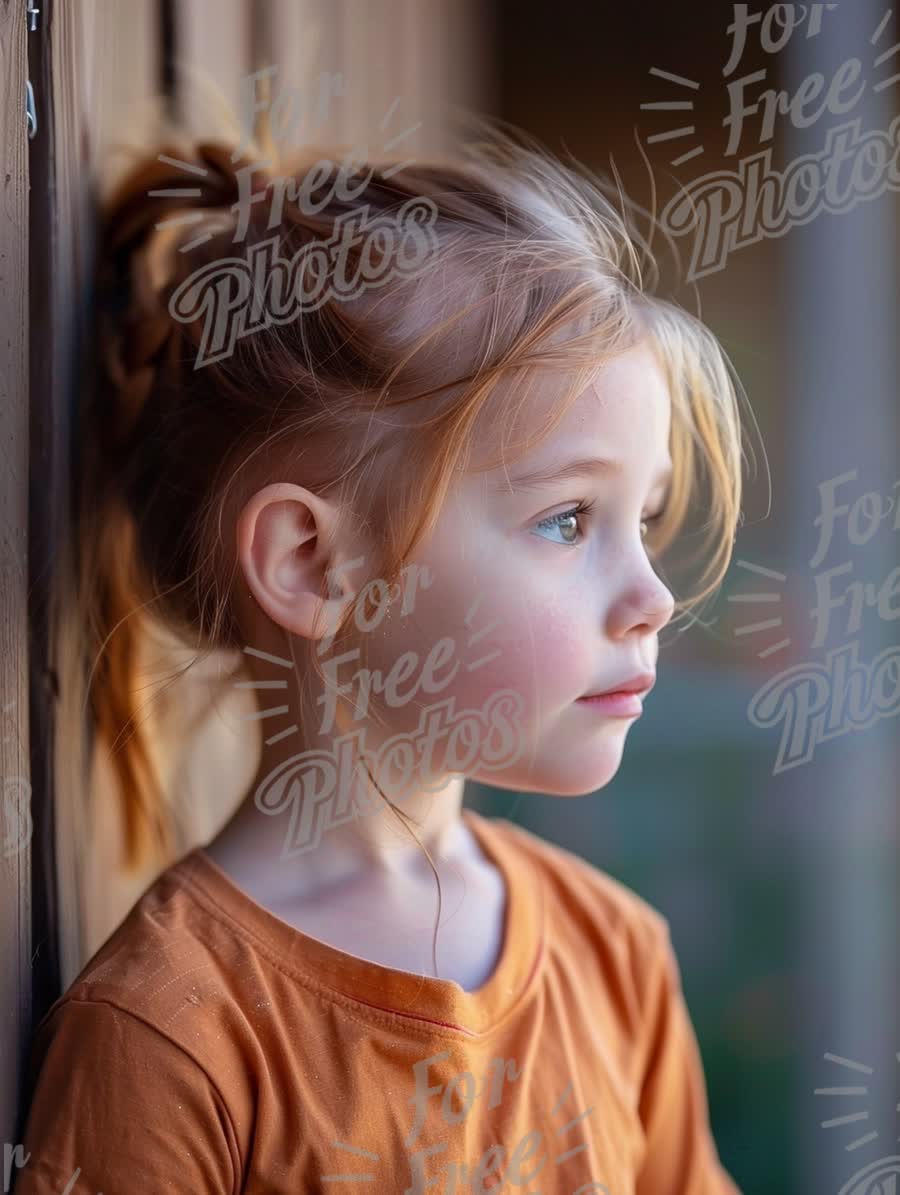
<point>431,520</point>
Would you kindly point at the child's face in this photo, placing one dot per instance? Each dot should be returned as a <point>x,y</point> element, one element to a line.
<point>566,607</point>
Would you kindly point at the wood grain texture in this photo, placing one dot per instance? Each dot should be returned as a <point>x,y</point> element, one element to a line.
<point>213,40</point>
<point>403,65</point>
<point>15,857</point>
<point>95,67</point>
<point>60,264</point>
<point>117,60</point>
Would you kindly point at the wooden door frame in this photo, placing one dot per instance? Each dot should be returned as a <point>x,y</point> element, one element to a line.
<point>47,497</point>
<point>15,854</point>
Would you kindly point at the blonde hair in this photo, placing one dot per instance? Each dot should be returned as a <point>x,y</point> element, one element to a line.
<point>533,268</point>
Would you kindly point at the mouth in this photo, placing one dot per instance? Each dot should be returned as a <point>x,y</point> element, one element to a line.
<point>623,701</point>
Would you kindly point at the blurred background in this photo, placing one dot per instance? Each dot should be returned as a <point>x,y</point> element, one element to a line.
<point>757,804</point>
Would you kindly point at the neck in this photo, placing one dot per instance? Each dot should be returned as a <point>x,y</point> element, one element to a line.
<point>377,843</point>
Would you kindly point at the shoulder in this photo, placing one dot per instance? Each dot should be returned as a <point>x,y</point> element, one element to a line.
<point>572,880</point>
<point>156,1037</point>
<point>129,1046</point>
<point>164,975</point>
<point>589,913</point>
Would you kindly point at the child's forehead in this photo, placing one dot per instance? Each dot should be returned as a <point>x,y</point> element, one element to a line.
<point>623,412</point>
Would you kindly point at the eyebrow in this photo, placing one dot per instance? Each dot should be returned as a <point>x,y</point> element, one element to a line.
<point>535,479</point>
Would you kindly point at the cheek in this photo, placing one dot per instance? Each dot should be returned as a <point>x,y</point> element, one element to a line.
<point>539,648</point>
<point>553,641</point>
<point>542,646</point>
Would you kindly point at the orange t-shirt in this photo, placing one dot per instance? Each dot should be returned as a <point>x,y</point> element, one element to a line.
<point>210,1047</point>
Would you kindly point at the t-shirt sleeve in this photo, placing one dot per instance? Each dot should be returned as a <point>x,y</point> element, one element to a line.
<point>681,1156</point>
<point>123,1108</point>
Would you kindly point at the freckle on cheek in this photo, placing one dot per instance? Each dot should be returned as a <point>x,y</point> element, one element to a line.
<point>559,642</point>
<point>557,657</point>
<point>547,653</point>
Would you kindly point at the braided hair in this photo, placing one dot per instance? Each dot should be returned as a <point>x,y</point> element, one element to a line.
<point>130,419</point>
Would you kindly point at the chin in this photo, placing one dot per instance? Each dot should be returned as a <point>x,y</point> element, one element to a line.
<point>580,774</point>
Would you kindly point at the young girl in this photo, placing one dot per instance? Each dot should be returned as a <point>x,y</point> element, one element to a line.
<point>419,472</point>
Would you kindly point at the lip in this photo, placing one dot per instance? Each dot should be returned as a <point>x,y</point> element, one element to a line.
<point>642,683</point>
<point>623,701</point>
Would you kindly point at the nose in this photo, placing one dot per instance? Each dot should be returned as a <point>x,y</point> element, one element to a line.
<point>643,603</point>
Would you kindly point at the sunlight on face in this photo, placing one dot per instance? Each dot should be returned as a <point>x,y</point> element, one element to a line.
<point>545,599</point>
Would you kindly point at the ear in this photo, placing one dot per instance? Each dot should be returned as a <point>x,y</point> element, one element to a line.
<point>287,552</point>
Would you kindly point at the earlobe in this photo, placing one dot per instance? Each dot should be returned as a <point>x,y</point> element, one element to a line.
<point>283,549</point>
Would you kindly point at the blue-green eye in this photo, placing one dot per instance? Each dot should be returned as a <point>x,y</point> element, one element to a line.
<point>566,521</point>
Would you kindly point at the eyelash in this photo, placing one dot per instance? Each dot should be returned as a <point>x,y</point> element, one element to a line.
<point>584,508</point>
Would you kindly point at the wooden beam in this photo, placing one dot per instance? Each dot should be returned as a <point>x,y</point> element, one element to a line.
<point>213,40</point>
<point>15,847</point>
